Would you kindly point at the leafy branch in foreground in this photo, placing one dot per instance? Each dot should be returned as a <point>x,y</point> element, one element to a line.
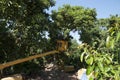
<point>101,64</point>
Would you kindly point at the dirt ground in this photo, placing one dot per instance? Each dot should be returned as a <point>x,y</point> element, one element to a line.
<point>51,72</point>
<point>52,75</point>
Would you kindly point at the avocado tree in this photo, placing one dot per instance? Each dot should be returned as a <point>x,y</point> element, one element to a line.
<point>23,25</point>
<point>73,18</point>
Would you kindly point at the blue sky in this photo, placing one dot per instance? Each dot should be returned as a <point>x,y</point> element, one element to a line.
<point>104,8</point>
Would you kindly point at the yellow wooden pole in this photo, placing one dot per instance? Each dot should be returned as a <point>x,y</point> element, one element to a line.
<point>5,65</point>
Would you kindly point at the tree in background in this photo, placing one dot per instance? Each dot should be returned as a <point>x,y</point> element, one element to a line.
<point>73,18</point>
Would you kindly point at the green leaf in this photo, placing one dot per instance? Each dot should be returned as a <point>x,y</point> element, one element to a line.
<point>106,69</point>
<point>89,69</point>
<point>96,71</point>
<point>108,42</point>
<point>89,61</point>
<point>100,65</point>
<point>91,78</point>
<point>81,57</point>
<point>108,60</point>
<point>106,74</point>
<point>113,71</point>
<point>112,33</point>
<point>86,57</point>
<point>112,43</point>
<point>111,30</point>
<point>118,36</point>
